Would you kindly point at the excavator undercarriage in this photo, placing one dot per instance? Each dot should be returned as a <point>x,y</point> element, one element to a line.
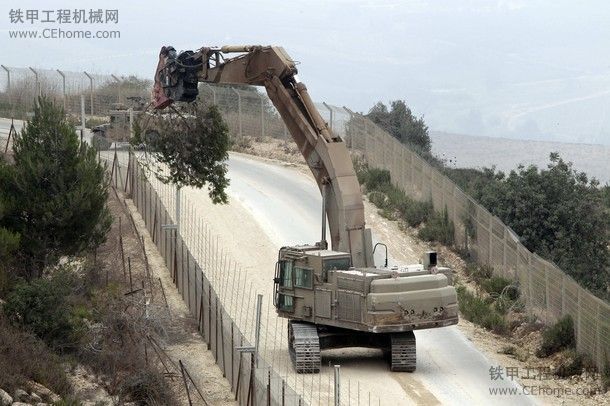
<point>306,341</point>
<point>333,297</point>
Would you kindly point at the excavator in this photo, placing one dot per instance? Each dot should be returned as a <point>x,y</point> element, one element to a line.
<point>333,297</point>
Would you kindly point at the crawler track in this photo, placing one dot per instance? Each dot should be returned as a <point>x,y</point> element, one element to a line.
<point>304,347</point>
<point>403,352</point>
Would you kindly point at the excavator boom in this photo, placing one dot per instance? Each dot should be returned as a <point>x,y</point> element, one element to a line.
<point>177,78</point>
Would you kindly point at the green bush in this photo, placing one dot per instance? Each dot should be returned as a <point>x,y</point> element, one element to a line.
<point>438,228</point>
<point>497,285</point>
<point>557,337</point>
<point>376,179</point>
<point>480,311</point>
<point>414,213</point>
<point>41,307</point>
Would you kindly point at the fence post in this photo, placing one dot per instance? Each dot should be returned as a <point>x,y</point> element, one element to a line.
<point>90,91</point>
<point>330,125</point>
<point>260,96</point>
<point>178,209</point>
<point>578,317</point>
<point>563,293</point>
<point>63,87</point>
<point>8,80</point>
<point>118,81</point>
<point>213,92</point>
<point>238,110</point>
<point>529,278</point>
<point>82,111</point>
<point>257,331</point>
<point>38,87</point>
<point>546,291</point>
<point>491,240</point>
<point>504,235</point>
<point>337,386</point>
<point>349,136</point>
<point>599,357</point>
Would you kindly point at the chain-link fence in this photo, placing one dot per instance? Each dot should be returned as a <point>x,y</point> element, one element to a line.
<point>92,93</point>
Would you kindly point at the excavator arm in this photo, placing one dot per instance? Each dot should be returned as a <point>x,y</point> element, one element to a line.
<point>177,78</point>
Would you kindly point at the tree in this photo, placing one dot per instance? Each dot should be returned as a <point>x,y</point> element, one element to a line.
<point>9,241</point>
<point>56,192</point>
<point>400,122</point>
<point>558,213</point>
<point>192,149</point>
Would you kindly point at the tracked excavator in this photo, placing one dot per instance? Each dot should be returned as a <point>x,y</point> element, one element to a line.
<point>333,297</point>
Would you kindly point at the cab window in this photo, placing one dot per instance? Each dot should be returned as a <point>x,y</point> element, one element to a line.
<point>286,274</point>
<point>285,302</point>
<point>303,278</point>
<point>336,263</point>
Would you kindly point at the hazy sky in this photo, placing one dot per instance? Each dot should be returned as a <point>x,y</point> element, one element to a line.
<point>520,69</point>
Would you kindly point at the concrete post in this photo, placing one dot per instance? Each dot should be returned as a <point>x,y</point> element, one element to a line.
<point>238,111</point>
<point>118,82</point>
<point>90,91</point>
<point>63,87</point>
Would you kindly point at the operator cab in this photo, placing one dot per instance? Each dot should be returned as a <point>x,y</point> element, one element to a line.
<point>299,269</point>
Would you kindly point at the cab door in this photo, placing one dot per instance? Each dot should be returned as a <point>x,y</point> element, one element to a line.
<point>284,286</point>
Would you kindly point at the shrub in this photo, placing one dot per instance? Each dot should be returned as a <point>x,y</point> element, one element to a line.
<point>414,213</point>
<point>497,285</point>
<point>25,357</point>
<point>438,228</point>
<point>557,337</point>
<point>379,199</point>
<point>146,388</point>
<point>42,308</point>
<point>376,179</point>
<point>480,311</point>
